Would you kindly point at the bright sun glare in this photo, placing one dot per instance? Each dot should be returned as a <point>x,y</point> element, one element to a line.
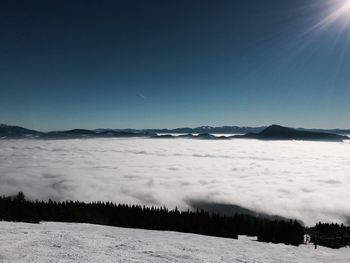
<point>339,12</point>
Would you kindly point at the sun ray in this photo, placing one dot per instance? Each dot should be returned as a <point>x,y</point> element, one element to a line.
<point>339,11</point>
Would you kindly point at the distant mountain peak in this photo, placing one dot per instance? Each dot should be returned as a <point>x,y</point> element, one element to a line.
<point>274,128</point>
<point>280,132</point>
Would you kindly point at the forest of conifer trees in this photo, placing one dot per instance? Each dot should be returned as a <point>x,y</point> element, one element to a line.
<point>330,235</point>
<point>17,208</point>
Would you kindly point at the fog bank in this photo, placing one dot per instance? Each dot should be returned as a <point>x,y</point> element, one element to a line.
<point>304,180</point>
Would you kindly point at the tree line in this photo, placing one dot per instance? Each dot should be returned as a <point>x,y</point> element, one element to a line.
<point>18,208</point>
<point>331,235</point>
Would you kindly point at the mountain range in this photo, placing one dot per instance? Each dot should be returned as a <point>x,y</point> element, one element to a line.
<point>221,130</point>
<point>273,132</point>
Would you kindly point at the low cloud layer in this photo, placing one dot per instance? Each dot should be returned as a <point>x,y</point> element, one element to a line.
<point>304,180</point>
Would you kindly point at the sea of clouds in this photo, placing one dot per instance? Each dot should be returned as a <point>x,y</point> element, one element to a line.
<point>309,181</point>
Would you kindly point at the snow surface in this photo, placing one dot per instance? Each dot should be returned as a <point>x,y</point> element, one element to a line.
<point>62,242</point>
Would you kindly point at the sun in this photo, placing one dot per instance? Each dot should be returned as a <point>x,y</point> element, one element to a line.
<point>342,9</point>
<point>346,5</point>
<point>339,12</point>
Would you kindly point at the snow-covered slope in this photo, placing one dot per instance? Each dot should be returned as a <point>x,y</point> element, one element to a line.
<point>60,242</point>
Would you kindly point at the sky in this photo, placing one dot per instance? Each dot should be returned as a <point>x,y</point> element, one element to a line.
<point>165,64</point>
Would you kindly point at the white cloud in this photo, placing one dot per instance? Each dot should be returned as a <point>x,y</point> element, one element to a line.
<point>305,180</point>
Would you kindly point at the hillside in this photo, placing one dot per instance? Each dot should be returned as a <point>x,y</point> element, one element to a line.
<point>62,242</point>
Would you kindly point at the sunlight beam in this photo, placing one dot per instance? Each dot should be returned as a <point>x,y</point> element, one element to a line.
<point>341,11</point>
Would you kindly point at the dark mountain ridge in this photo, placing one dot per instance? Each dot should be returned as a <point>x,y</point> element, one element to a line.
<point>277,132</point>
<point>7,131</point>
<point>273,132</point>
<point>220,130</point>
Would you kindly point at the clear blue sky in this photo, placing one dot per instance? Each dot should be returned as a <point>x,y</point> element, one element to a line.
<point>154,64</point>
